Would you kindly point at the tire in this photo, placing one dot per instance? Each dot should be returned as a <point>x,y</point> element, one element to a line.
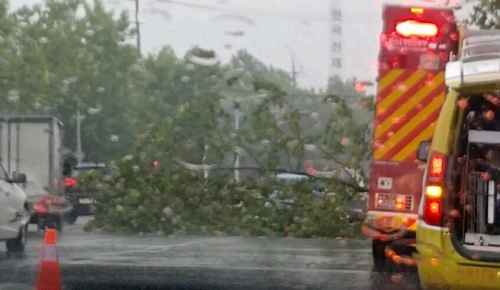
<point>18,245</point>
<point>71,217</point>
<point>58,223</point>
<point>55,221</point>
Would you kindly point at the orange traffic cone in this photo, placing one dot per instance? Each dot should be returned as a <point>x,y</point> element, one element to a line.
<point>49,274</point>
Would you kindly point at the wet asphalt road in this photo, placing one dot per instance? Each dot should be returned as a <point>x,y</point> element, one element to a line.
<point>98,261</point>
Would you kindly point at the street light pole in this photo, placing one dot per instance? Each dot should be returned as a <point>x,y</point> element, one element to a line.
<point>79,153</point>
<point>236,112</point>
<point>205,173</point>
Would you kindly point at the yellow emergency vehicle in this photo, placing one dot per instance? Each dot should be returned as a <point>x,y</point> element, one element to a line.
<point>458,229</point>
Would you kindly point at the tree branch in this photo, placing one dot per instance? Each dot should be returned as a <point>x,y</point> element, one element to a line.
<point>345,183</point>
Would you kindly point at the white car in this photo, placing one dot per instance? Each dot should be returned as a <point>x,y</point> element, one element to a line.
<point>317,188</point>
<point>14,212</point>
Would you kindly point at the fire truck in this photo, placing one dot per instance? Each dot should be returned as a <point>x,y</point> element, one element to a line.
<point>416,43</point>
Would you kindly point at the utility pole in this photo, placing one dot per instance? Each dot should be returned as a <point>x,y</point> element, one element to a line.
<point>295,72</point>
<point>138,27</point>
<point>237,160</point>
<point>79,153</point>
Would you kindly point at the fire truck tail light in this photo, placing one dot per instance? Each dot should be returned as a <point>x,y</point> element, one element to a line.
<point>415,10</point>
<point>415,28</point>
<point>400,203</point>
<point>393,201</point>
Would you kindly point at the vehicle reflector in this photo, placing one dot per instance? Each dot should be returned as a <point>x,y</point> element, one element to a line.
<point>415,28</point>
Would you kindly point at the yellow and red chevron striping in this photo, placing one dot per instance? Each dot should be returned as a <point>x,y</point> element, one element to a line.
<point>408,105</point>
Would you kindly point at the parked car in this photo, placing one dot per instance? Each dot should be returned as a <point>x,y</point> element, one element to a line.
<point>317,189</point>
<point>81,198</point>
<point>357,207</point>
<point>14,212</point>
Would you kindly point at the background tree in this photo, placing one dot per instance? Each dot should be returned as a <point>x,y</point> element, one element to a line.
<point>179,111</point>
<point>66,62</point>
<point>485,14</point>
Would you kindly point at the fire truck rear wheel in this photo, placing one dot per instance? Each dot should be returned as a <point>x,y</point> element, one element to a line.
<point>380,262</point>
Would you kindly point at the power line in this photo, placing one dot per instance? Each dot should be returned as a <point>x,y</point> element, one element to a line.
<point>363,17</point>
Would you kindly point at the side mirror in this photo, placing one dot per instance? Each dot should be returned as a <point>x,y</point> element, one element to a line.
<point>356,217</point>
<point>18,178</point>
<point>423,150</point>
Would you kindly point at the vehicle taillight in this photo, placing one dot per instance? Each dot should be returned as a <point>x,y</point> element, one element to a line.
<point>436,167</point>
<point>433,195</point>
<point>400,203</point>
<point>40,209</point>
<point>410,28</point>
<point>69,182</point>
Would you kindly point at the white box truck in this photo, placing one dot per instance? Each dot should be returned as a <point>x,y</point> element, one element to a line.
<point>33,145</point>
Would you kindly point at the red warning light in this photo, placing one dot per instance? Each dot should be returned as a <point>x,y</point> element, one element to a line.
<point>415,28</point>
<point>360,87</point>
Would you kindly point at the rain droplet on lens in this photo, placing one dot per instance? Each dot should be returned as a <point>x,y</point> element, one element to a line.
<point>310,147</point>
<point>204,61</point>
<point>94,111</point>
<point>13,96</point>
<point>235,33</point>
<point>235,17</point>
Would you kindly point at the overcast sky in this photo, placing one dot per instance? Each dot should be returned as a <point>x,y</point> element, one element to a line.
<point>280,28</point>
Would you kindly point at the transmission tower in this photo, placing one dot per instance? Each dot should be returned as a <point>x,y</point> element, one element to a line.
<point>336,32</point>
